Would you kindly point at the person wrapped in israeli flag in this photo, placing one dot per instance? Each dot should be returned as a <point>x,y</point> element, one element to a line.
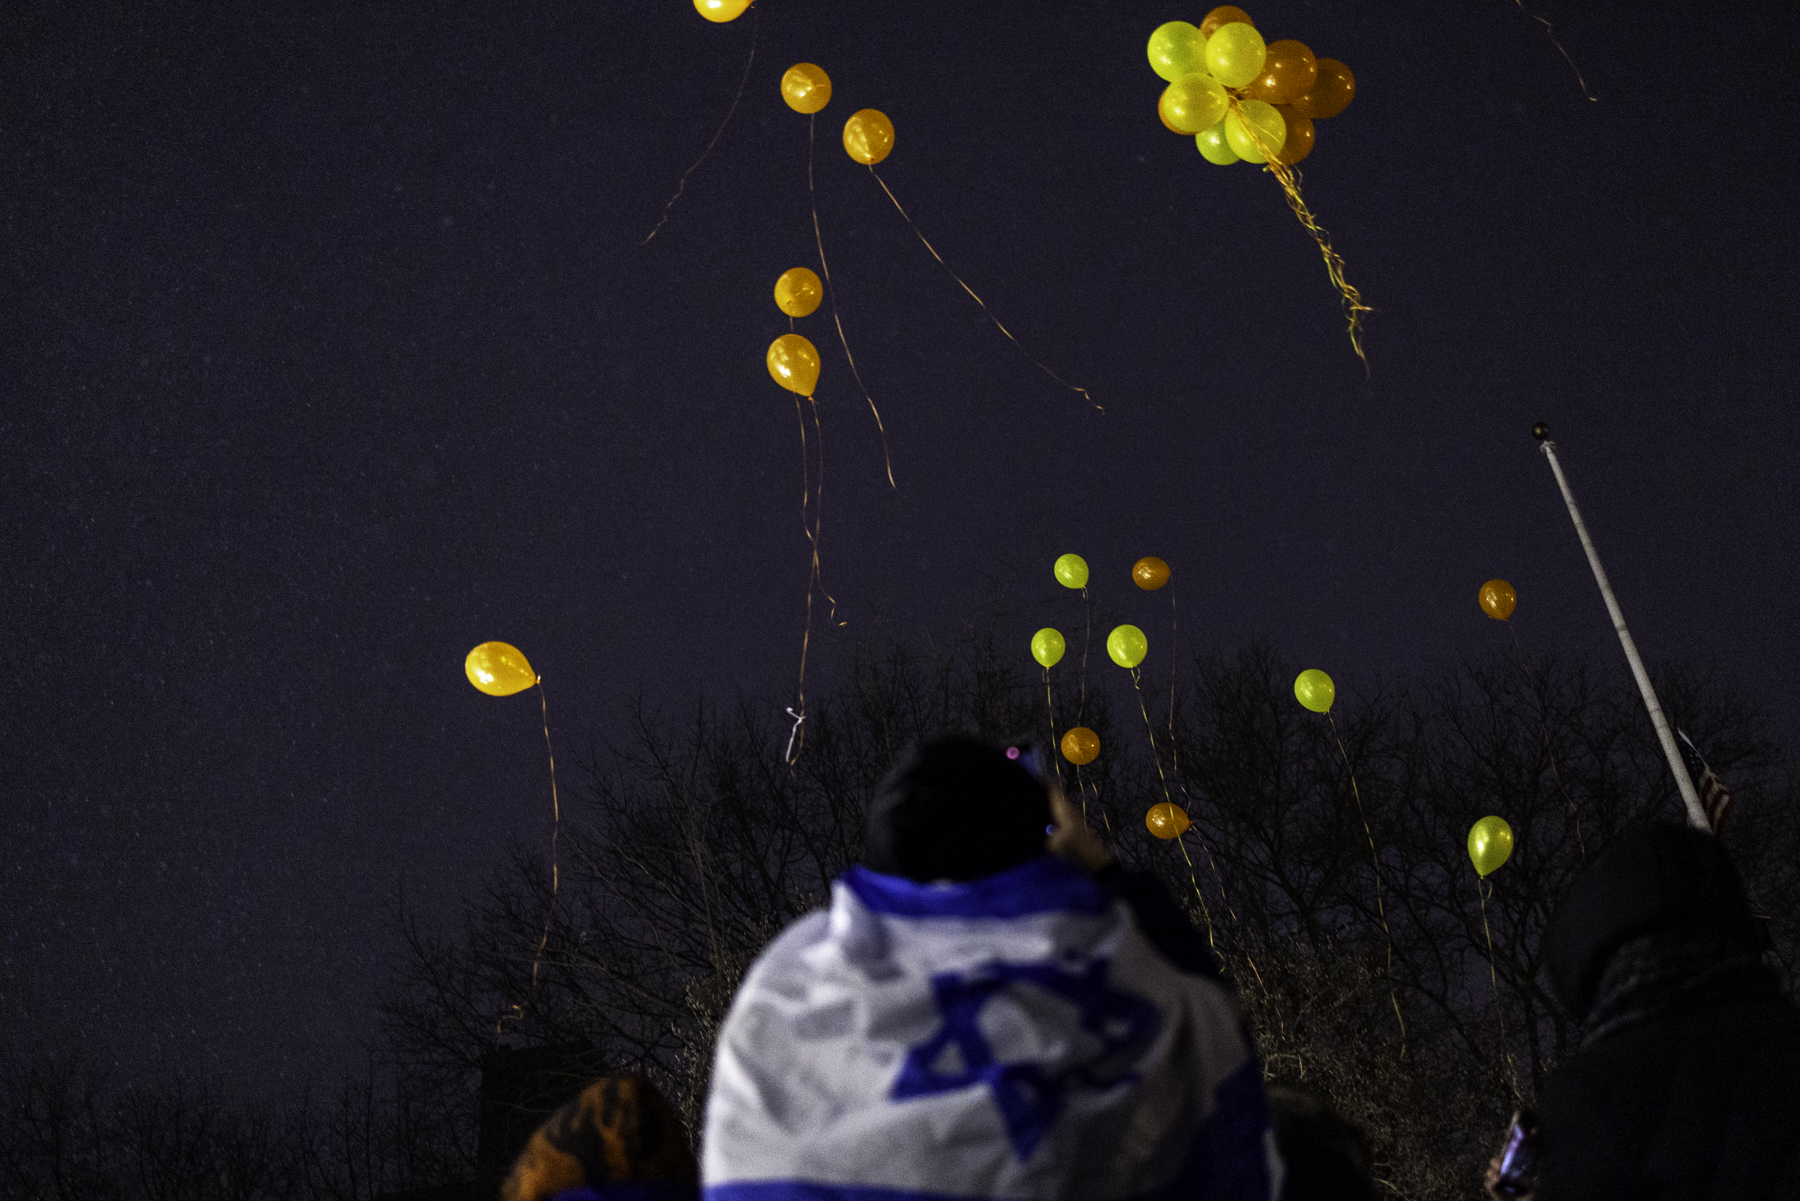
<point>977,1017</point>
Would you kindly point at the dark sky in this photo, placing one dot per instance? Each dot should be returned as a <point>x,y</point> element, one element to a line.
<point>328,351</point>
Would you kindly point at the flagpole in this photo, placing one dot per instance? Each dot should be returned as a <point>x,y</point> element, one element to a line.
<point>1696,814</point>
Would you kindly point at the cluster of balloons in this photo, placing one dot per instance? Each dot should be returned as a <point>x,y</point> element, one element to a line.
<point>1127,646</point>
<point>499,669</point>
<point>792,359</point>
<point>1239,96</point>
<point>869,137</point>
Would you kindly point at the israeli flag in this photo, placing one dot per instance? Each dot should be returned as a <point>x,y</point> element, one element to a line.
<point>1012,1037</point>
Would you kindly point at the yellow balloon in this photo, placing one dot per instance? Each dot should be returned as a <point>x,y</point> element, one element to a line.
<point>1193,102</point>
<point>794,364</point>
<point>1080,745</point>
<point>1071,571</point>
<point>806,87</point>
<point>1314,689</point>
<point>721,11</point>
<point>1176,49</point>
<point>498,669</point>
<point>1127,646</point>
<point>1047,647</point>
<point>1270,125</point>
<point>1490,844</point>
<point>1235,53</point>
<point>869,136</point>
<point>798,292</point>
<point>1167,820</point>
<point>1498,599</point>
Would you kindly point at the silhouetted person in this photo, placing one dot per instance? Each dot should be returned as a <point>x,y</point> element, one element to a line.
<point>1327,1157</point>
<point>1687,1083</point>
<point>976,1017</point>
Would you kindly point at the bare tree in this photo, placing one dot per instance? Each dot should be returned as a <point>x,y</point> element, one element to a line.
<point>1327,861</point>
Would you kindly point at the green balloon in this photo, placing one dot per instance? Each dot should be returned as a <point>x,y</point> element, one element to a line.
<point>1071,571</point>
<point>1490,844</point>
<point>1235,53</point>
<point>1194,102</point>
<point>1314,689</point>
<point>1213,146</point>
<point>1271,127</point>
<point>1047,647</point>
<point>1127,646</point>
<point>1177,49</point>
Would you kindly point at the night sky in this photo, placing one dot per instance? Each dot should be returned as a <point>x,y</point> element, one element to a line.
<point>329,350</point>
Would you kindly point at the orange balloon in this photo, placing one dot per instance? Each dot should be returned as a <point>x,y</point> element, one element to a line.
<point>1289,70</point>
<point>1081,745</point>
<point>1163,113</point>
<point>869,136</point>
<point>806,87</point>
<point>1224,15</point>
<point>1498,599</point>
<point>794,364</point>
<point>1167,820</point>
<point>1149,573</point>
<point>1300,135</point>
<point>1330,93</point>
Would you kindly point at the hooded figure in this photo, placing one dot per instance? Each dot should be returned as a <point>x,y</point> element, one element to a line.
<point>973,1017</point>
<point>1687,1083</point>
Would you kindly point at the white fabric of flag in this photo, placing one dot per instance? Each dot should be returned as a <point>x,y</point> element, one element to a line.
<point>1011,1037</point>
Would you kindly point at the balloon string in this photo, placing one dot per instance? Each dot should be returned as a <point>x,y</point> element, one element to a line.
<point>1205,911</point>
<point>1549,745</point>
<point>799,720</point>
<point>1550,32</point>
<point>1512,1069</point>
<point>755,30</point>
<point>1174,666</point>
<point>1087,634</point>
<point>1375,861</point>
<point>1055,758</point>
<point>831,291</point>
<point>812,579</point>
<point>518,1011</point>
<point>1289,179</point>
<point>1149,729</point>
<point>819,509</point>
<point>1039,364</point>
<point>1218,877</point>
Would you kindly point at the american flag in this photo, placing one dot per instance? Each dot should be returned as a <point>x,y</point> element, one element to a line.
<point>1715,798</point>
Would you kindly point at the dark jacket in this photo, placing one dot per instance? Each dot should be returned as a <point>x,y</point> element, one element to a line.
<point>1687,1083</point>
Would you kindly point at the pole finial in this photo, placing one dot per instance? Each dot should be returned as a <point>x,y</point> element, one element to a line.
<point>1541,430</point>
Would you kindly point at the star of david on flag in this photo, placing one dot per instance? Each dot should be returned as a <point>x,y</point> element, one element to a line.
<point>1119,1026</point>
<point>1010,1038</point>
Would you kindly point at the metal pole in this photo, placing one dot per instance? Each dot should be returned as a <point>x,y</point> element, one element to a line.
<point>1696,814</point>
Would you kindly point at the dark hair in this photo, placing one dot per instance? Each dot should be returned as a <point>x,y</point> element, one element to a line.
<point>956,807</point>
<point>1655,877</point>
<point>1327,1157</point>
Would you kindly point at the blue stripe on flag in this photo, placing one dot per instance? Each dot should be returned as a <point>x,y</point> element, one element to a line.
<point>1042,885</point>
<point>637,1190</point>
<point>1225,1162</point>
